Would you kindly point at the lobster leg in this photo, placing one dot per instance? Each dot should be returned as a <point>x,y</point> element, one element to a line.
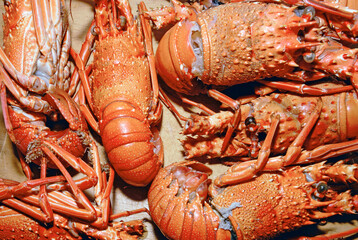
<point>68,204</point>
<point>277,163</point>
<point>25,167</point>
<point>147,33</point>
<point>12,188</point>
<point>43,199</point>
<point>17,225</point>
<point>333,236</point>
<point>292,154</point>
<point>64,204</point>
<point>84,91</point>
<point>167,15</point>
<point>28,210</point>
<point>30,101</point>
<point>76,163</point>
<point>303,88</point>
<point>235,105</point>
<point>83,56</point>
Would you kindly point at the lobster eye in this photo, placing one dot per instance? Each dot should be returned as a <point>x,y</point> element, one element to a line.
<point>322,187</point>
<point>94,30</point>
<point>309,57</point>
<point>7,3</point>
<point>122,21</point>
<point>310,11</point>
<point>299,10</point>
<point>300,36</point>
<point>250,121</point>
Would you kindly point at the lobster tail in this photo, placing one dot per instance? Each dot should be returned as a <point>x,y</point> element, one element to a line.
<point>132,148</point>
<point>182,45</point>
<point>176,199</point>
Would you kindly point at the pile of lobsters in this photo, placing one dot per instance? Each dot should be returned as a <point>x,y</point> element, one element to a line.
<point>258,98</point>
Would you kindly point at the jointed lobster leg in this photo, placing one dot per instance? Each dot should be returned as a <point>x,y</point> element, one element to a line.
<point>38,147</point>
<point>292,153</point>
<point>236,173</point>
<point>17,225</point>
<point>156,113</point>
<point>61,203</point>
<point>11,188</point>
<point>25,200</point>
<point>21,226</point>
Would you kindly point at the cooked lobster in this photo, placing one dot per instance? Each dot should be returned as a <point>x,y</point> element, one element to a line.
<point>122,91</point>
<point>294,128</point>
<point>262,208</point>
<point>304,41</point>
<point>35,75</point>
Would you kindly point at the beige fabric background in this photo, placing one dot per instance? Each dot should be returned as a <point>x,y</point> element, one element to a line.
<point>125,197</point>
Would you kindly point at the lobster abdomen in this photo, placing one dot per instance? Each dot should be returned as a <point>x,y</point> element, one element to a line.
<point>132,148</point>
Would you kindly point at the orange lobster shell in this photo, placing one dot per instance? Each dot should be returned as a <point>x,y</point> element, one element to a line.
<point>261,40</point>
<point>265,207</point>
<point>123,94</point>
<point>336,123</point>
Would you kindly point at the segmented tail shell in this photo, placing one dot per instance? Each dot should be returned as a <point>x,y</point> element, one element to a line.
<point>175,202</point>
<point>135,151</point>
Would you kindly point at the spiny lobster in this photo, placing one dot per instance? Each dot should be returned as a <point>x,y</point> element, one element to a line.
<point>297,40</point>
<point>122,91</point>
<point>294,128</point>
<point>35,88</point>
<point>271,204</point>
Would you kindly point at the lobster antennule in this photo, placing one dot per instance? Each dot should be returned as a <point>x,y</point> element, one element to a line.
<point>179,57</point>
